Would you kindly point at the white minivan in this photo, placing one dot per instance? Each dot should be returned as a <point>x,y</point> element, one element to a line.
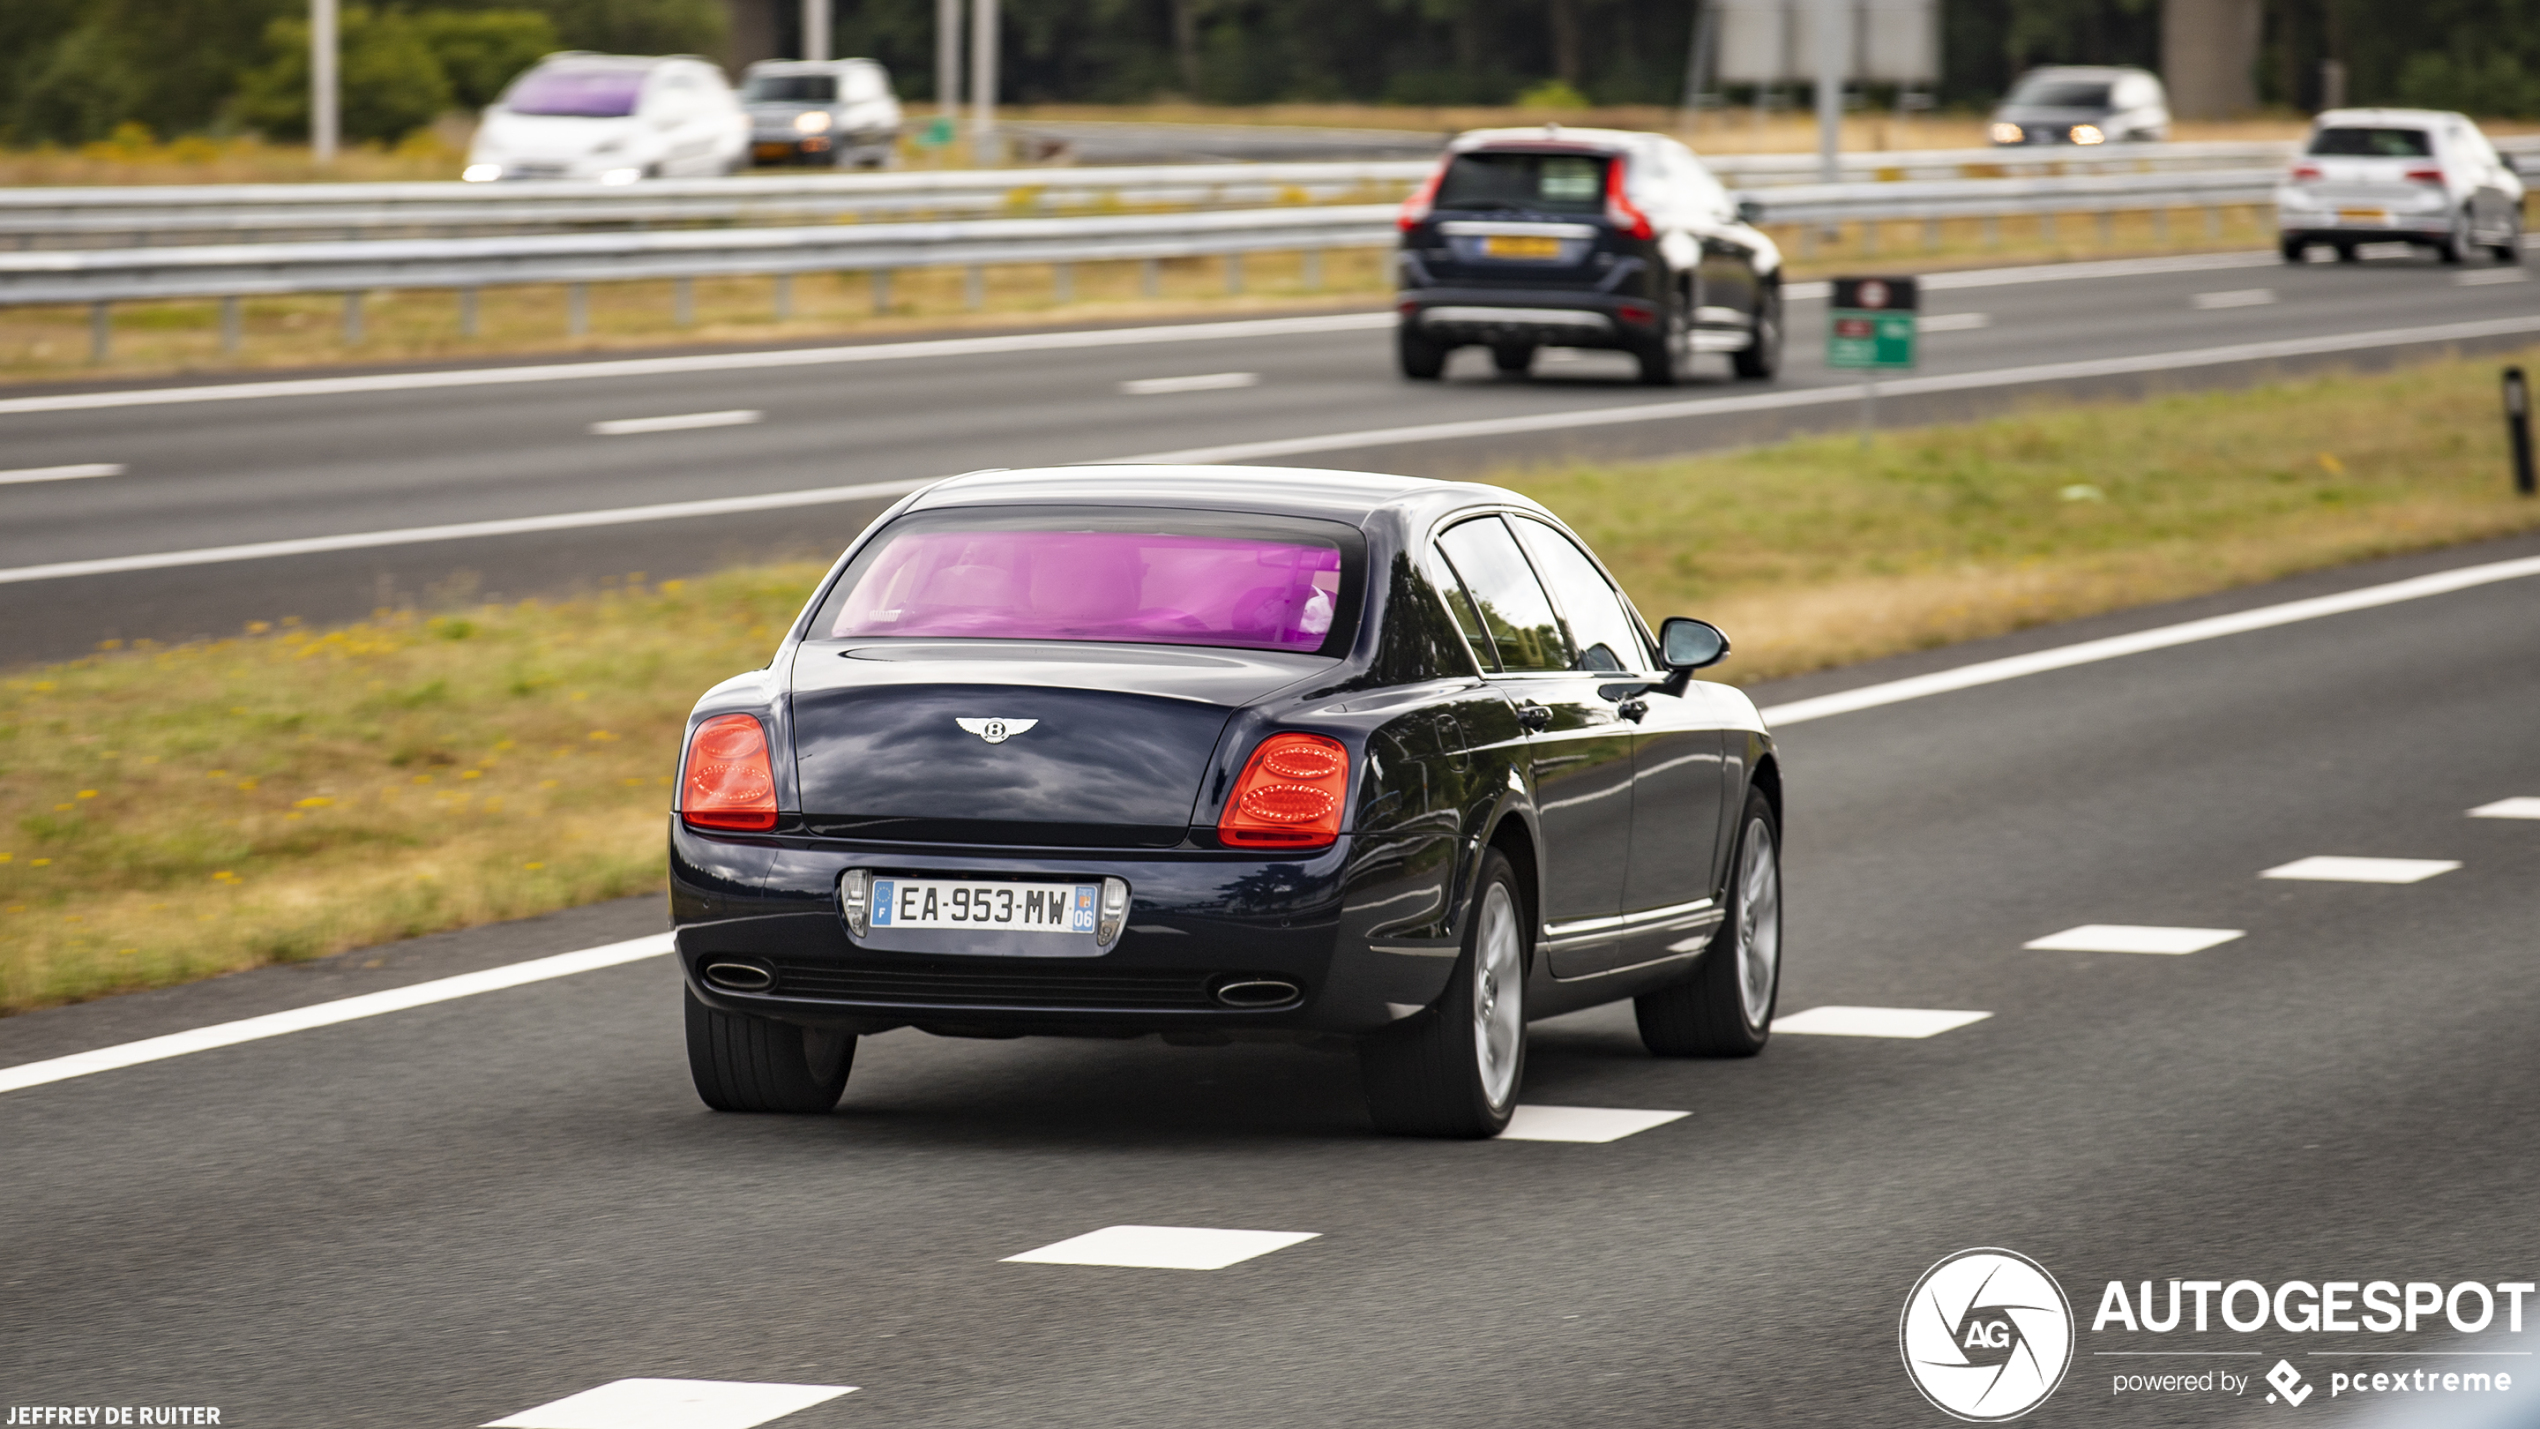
<point>613,118</point>
<point>2421,176</point>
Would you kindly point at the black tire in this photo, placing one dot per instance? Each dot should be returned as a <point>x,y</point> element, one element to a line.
<point>1513,359</point>
<point>2455,245</point>
<point>1454,1070</point>
<point>743,1063</point>
<point>1422,360</point>
<point>2294,250</point>
<point>2509,251</point>
<point>1715,1011</point>
<point>1761,359</point>
<point>2348,253</point>
<point>1664,356</point>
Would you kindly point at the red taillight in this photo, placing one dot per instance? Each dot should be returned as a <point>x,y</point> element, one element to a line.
<point>729,784</point>
<point>1618,205</point>
<point>1416,207</point>
<point>2425,176</point>
<point>2306,173</point>
<point>1290,795</point>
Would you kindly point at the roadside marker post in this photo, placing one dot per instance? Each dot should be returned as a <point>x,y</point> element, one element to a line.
<point>1870,328</point>
<point>2518,428</point>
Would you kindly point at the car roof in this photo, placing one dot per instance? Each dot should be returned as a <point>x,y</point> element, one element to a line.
<point>2335,117</point>
<point>1349,496</point>
<point>1537,135</point>
<point>810,66</point>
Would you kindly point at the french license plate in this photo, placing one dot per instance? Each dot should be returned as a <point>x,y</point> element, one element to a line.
<point>1005,907</point>
<point>1511,245</point>
<point>2363,215</point>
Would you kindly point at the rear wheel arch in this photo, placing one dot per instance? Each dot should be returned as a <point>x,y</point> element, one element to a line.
<point>1767,780</point>
<point>1516,843</point>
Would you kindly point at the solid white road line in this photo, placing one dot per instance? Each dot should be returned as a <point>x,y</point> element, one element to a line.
<point>2130,938</point>
<point>327,1014</point>
<point>1847,393</point>
<point>1583,1123</point>
<point>2485,277</point>
<point>1953,322</point>
<point>79,472</point>
<point>1875,1021</point>
<point>638,426</point>
<point>703,362</point>
<point>2329,869</point>
<point>465,530</point>
<point>1205,382</point>
<point>2265,617</point>
<point>2515,808</point>
<point>1163,1247</point>
<point>2236,298</point>
<point>674,1404</point>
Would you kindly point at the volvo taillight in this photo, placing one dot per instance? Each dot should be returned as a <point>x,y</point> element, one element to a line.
<point>729,784</point>
<point>2425,176</point>
<point>1619,208</point>
<point>1290,794</point>
<point>1423,198</point>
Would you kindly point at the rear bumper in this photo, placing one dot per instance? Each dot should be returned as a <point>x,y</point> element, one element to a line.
<point>1198,921</point>
<point>1562,317</point>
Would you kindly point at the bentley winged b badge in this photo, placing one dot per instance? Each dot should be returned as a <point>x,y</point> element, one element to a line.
<point>995,731</point>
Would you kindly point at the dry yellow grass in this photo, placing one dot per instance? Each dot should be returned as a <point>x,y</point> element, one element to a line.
<point>171,813</point>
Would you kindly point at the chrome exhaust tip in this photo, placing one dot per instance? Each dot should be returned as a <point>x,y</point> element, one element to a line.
<point>1257,992</point>
<point>739,977</point>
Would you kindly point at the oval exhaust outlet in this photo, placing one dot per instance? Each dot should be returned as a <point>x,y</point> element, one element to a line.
<point>740,977</point>
<point>1257,992</point>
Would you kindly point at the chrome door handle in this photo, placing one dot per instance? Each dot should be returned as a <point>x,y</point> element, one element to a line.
<point>1633,709</point>
<point>1534,717</point>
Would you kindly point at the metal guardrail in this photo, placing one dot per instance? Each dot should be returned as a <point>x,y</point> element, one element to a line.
<point>1965,198</point>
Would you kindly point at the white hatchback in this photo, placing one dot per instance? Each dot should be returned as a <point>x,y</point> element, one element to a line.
<point>614,118</point>
<point>2421,176</point>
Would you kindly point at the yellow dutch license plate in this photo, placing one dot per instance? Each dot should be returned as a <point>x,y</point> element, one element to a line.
<point>2364,215</point>
<point>1510,245</point>
<point>771,151</point>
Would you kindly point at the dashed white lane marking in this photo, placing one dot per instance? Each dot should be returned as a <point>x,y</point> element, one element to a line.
<point>685,422</point>
<point>2486,277</point>
<point>674,1404</point>
<point>1204,382</point>
<point>1953,322</point>
<point>1163,1247</point>
<point>1583,1123</point>
<point>2236,298</point>
<point>2516,808</point>
<point>2265,617</point>
<point>1875,1021</point>
<point>327,1014</point>
<point>2327,868</point>
<point>81,471</point>
<point>2131,938</point>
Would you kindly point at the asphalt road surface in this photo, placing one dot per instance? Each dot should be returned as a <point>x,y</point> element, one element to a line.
<point>393,453</point>
<point>448,1215</point>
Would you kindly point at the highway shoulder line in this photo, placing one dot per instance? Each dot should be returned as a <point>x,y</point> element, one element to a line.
<point>327,1014</point>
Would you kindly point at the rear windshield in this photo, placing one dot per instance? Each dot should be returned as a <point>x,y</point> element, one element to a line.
<point>2063,93</point>
<point>790,89</point>
<point>1529,183</point>
<point>2374,143</point>
<point>1119,576</point>
<point>583,93</point>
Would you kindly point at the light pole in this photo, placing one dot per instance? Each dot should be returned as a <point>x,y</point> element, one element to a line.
<point>815,29</point>
<point>323,125</point>
<point>983,81</point>
<point>948,59</point>
<point>1833,27</point>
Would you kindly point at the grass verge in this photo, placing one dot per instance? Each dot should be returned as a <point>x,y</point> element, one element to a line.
<point>166,814</point>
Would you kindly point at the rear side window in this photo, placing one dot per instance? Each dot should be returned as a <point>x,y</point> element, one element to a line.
<point>1600,630</point>
<point>1510,600</point>
<point>2376,143</point>
<point>1524,183</point>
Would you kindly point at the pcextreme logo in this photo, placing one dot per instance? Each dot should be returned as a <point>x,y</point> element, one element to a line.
<point>1986,1334</point>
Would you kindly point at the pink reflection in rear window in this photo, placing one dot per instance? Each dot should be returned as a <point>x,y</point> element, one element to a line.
<point>1097,585</point>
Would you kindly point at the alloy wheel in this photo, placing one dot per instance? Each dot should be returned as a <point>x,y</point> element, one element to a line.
<point>1499,996</point>
<point>1759,923</point>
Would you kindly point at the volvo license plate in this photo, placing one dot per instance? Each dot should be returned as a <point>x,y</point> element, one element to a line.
<point>1513,245</point>
<point>1001,907</point>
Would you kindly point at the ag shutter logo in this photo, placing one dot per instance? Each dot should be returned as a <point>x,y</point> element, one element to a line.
<point>1986,1335</point>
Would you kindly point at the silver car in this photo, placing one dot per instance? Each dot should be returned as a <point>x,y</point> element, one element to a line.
<point>840,113</point>
<point>2421,176</point>
<point>2083,104</point>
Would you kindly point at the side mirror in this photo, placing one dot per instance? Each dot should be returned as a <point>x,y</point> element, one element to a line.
<point>1749,212</point>
<point>1688,644</point>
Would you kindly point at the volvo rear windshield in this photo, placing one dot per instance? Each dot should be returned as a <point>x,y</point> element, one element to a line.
<point>2374,143</point>
<point>790,89</point>
<point>1518,182</point>
<point>2062,94</point>
<point>577,93</point>
<point>1126,576</point>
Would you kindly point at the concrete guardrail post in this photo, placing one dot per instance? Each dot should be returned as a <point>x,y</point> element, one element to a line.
<point>974,287</point>
<point>577,309</point>
<point>1150,277</point>
<point>1310,270</point>
<point>1062,282</point>
<point>101,332</point>
<point>353,318</point>
<point>881,278</point>
<point>229,326</point>
<point>1234,272</point>
<point>467,312</point>
<point>683,301</point>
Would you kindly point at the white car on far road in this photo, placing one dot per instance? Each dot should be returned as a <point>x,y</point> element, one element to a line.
<point>614,118</point>
<point>2421,176</point>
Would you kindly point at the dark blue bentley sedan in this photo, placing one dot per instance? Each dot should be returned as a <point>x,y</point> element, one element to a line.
<point>1208,751</point>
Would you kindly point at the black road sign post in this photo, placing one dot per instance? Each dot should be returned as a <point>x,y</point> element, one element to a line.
<point>2518,427</point>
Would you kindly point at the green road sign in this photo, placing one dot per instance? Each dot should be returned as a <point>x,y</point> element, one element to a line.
<point>937,133</point>
<point>1871,323</point>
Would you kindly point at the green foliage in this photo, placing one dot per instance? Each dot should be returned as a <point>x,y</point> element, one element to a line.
<point>2490,82</point>
<point>480,50</point>
<point>639,27</point>
<point>391,83</point>
<point>1552,94</point>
